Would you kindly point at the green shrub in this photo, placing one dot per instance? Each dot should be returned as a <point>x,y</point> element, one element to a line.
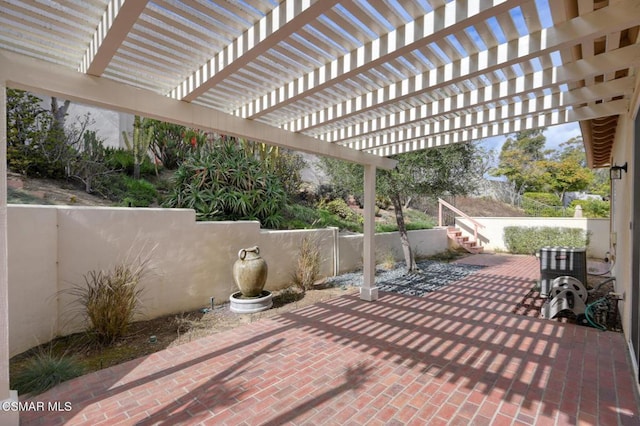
<point>543,197</point>
<point>414,221</point>
<point>123,160</point>
<point>222,182</point>
<point>593,208</point>
<point>542,204</point>
<point>410,226</point>
<point>307,265</point>
<point>326,193</point>
<point>383,202</point>
<point>36,144</point>
<point>126,190</point>
<point>44,371</point>
<point>340,208</point>
<point>288,166</point>
<point>297,216</point>
<point>139,193</point>
<point>386,227</point>
<point>46,158</point>
<point>418,225</point>
<point>528,240</point>
<point>109,300</point>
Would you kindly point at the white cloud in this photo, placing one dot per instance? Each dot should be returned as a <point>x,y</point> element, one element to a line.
<point>555,136</point>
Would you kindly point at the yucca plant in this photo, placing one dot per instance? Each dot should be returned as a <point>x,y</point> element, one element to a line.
<point>110,300</point>
<point>44,371</point>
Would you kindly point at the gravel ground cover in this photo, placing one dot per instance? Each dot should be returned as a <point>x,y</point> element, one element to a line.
<point>432,275</point>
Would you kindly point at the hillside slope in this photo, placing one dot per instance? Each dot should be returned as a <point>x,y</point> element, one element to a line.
<point>22,190</point>
<point>486,207</point>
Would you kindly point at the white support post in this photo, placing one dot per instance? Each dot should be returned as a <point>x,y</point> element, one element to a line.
<point>369,291</point>
<point>7,417</point>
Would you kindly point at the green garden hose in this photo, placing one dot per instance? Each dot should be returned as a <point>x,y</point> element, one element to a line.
<point>588,316</point>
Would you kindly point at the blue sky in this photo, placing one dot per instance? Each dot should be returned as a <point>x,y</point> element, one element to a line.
<point>555,136</point>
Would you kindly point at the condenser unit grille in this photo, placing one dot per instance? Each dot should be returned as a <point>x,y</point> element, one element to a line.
<point>561,261</point>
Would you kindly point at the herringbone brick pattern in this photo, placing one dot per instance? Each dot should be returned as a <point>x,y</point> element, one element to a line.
<point>457,356</point>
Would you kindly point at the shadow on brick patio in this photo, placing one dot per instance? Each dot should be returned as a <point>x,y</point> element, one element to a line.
<point>454,356</point>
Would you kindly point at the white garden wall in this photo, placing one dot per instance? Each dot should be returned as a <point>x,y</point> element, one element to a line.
<point>51,248</point>
<point>492,235</point>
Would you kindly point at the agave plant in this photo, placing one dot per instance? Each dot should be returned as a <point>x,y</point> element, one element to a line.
<point>222,181</point>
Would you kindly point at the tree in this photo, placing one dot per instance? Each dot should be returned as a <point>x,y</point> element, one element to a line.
<point>24,118</point>
<point>520,159</point>
<point>27,127</point>
<point>36,146</point>
<point>449,170</point>
<point>90,163</point>
<point>431,172</point>
<point>566,170</point>
<point>601,183</point>
<point>59,113</point>
<point>526,165</point>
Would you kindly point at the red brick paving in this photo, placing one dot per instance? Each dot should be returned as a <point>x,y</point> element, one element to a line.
<point>455,356</point>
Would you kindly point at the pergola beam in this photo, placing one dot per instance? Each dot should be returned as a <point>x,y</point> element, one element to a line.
<point>25,73</point>
<point>117,21</point>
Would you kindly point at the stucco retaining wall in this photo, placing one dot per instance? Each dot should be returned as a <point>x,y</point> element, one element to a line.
<point>492,235</point>
<point>52,248</point>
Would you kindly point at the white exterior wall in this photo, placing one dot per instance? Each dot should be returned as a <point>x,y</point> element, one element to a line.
<point>622,218</point>
<point>51,248</point>
<point>492,235</point>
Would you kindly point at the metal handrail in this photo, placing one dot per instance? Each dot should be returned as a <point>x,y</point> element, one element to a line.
<point>476,224</point>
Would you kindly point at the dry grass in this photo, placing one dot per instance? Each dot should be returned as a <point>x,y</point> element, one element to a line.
<point>109,300</point>
<point>308,264</point>
<point>387,259</point>
<point>170,331</point>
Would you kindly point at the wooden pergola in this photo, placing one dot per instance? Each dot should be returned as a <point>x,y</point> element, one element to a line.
<point>359,80</point>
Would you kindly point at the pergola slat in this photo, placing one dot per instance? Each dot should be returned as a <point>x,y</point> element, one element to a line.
<point>421,31</point>
<point>515,110</point>
<point>505,127</point>
<point>544,79</point>
<point>516,51</point>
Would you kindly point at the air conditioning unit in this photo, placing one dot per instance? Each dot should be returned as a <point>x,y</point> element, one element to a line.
<point>561,261</point>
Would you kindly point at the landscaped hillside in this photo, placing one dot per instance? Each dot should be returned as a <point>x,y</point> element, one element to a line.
<point>486,207</point>
<point>23,190</point>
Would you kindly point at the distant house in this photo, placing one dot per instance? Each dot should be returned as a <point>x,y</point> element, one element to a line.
<point>570,196</point>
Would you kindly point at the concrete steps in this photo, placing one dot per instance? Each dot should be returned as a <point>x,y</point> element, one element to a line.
<point>468,243</point>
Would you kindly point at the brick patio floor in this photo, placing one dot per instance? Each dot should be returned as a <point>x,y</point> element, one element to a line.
<point>456,356</point>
